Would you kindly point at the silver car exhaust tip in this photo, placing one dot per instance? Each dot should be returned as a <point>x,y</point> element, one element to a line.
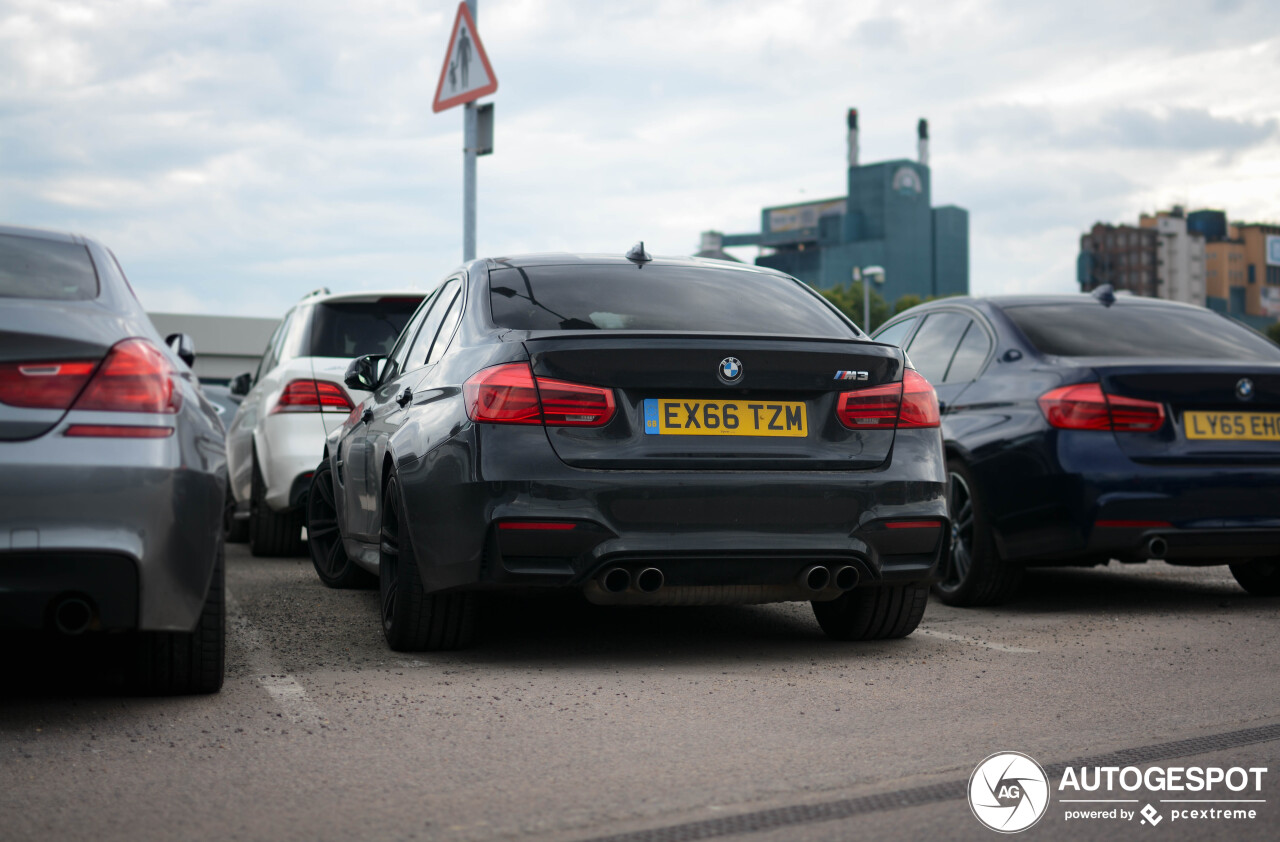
<point>815,577</point>
<point>1157,547</point>
<point>615,580</point>
<point>649,580</point>
<point>72,615</point>
<point>846,578</point>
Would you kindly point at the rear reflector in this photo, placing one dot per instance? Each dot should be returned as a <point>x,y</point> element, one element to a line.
<point>43,385</point>
<point>313,396</point>
<point>1085,406</point>
<point>510,394</point>
<point>536,525</point>
<point>135,377</point>
<point>914,524</point>
<point>117,431</point>
<point>909,403</point>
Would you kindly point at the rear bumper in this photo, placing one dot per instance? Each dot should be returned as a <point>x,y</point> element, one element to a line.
<point>703,528</point>
<point>1105,506</point>
<point>132,524</point>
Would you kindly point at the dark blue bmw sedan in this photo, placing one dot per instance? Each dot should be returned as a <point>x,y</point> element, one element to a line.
<point>1084,428</point>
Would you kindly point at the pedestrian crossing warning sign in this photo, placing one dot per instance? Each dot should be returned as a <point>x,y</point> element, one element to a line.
<point>467,74</point>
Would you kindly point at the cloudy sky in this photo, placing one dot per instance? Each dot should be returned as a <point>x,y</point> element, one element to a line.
<point>236,154</point>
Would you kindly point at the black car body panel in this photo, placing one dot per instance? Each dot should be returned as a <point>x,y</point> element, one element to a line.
<point>714,510</point>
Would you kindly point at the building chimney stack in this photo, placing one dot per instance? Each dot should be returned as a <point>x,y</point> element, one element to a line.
<point>853,137</point>
<point>922,141</point>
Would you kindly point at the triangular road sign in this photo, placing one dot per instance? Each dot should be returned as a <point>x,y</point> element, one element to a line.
<point>467,74</point>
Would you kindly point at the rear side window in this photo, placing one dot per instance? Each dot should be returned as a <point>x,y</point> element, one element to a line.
<point>935,343</point>
<point>895,333</point>
<point>34,268</point>
<point>969,357</point>
<point>684,298</point>
<point>356,328</point>
<point>1089,329</point>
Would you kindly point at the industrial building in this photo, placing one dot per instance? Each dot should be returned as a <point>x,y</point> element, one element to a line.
<point>1197,258</point>
<point>886,220</point>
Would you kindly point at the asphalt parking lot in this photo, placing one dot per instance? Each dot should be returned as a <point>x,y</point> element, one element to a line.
<point>569,721</point>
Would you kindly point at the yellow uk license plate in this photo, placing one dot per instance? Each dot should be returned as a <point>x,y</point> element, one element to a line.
<point>1232,426</point>
<point>723,418</point>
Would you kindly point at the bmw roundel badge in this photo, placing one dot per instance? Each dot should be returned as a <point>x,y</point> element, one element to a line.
<point>1244,389</point>
<point>730,370</point>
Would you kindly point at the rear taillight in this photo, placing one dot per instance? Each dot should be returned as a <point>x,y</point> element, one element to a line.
<point>510,394</point>
<point>313,396</point>
<point>909,403</point>
<point>1085,406</point>
<point>44,385</point>
<point>135,377</point>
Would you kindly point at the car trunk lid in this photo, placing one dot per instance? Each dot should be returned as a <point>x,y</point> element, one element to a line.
<point>675,393</point>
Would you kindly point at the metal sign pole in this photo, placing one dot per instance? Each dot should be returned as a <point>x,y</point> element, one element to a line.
<point>469,168</point>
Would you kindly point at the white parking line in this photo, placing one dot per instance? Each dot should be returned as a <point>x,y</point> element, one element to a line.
<point>973,641</point>
<point>280,686</point>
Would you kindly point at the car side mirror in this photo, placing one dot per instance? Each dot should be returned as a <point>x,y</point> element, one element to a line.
<point>362,373</point>
<point>241,383</point>
<point>182,345</point>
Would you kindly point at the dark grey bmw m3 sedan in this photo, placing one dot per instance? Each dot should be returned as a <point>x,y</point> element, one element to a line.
<point>667,431</point>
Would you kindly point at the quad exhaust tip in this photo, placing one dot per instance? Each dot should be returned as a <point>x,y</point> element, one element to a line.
<point>615,580</point>
<point>649,580</point>
<point>846,578</point>
<point>815,577</point>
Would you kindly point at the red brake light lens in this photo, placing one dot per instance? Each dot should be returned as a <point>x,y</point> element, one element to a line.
<point>909,403</point>
<point>1085,406</point>
<point>135,377</point>
<point>504,394</point>
<point>313,396</point>
<point>919,402</point>
<point>510,394</point>
<point>43,385</point>
<point>573,405</point>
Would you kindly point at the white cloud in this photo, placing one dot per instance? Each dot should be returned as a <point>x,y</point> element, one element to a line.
<point>237,154</point>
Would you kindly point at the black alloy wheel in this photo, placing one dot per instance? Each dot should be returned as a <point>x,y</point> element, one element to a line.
<point>413,620</point>
<point>973,573</point>
<point>324,538</point>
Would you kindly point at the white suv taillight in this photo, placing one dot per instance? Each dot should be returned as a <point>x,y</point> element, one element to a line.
<point>313,396</point>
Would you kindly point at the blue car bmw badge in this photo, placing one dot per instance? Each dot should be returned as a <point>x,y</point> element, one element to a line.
<point>730,370</point>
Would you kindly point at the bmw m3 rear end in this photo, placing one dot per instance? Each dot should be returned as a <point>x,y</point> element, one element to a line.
<point>669,431</point>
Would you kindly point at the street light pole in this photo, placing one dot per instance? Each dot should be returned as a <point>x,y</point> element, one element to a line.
<point>871,273</point>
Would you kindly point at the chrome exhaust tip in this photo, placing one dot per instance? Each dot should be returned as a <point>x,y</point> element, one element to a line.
<point>846,578</point>
<point>649,580</point>
<point>615,580</point>
<point>72,615</point>
<point>1157,547</point>
<point>815,577</point>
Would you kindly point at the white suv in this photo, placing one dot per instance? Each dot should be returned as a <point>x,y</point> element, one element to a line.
<point>296,397</point>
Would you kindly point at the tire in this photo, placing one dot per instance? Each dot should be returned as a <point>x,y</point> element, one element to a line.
<point>271,534</point>
<point>1260,577</point>
<point>180,663</point>
<point>234,530</point>
<point>324,537</point>
<point>413,620</point>
<point>973,572</point>
<point>873,613</point>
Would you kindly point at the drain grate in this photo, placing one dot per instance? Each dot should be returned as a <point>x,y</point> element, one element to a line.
<point>780,817</point>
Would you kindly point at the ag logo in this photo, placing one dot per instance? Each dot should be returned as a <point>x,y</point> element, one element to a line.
<point>1008,792</point>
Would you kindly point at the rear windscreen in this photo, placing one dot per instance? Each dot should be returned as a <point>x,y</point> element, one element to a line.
<point>1136,330</point>
<point>356,328</point>
<point>682,298</point>
<point>36,268</point>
